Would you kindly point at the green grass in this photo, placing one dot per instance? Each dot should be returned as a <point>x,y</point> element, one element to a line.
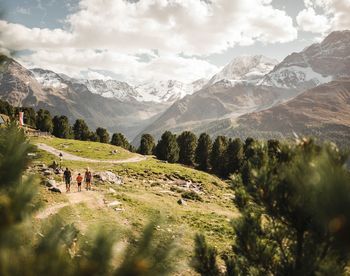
<point>93,150</point>
<point>149,193</point>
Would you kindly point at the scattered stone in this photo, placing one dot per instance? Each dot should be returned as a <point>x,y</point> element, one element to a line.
<point>119,209</point>
<point>114,152</point>
<point>112,191</point>
<point>114,203</point>
<point>50,183</point>
<point>181,202</point>
<point>47,172</point>
<point>110,177</point>
<point>55,190</point>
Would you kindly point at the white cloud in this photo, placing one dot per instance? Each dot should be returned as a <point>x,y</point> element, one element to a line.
<point>309,21</point>
<point>123,29</point>
<point>333,15</point>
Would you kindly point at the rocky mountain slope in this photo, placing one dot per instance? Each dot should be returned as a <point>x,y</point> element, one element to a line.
<point>246,68</point>
<point>62,96</point>
<point>323,111</point>
<point>215,108</point>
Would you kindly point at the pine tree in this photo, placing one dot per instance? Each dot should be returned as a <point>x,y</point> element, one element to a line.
<point>167,148</point>
<point>203,152</point>
<point>147,144</point>
<point>61,127</point>
<point>295,214</point>
<point>102,134</point>
<point>81,130</point>
<point>187,142</point>
<point>44,121</point>
<point>6,108</point>
<point>218,158</point>
<point>234,156</point>
<point>118,139</point>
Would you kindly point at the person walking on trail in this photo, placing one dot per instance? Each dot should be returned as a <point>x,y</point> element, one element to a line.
<point>88,178</point>
<point>61,158</point>
<point>67,175</point>
<point>79,180</point>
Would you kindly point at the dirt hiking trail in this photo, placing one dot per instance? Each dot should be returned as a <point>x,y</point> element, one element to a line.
<point>72,157</point>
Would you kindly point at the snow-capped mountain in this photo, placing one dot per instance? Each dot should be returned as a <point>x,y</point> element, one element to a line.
<point>165,91</point>
<point>112,89</point>
<point>245,68</point>
<point>317,64</point>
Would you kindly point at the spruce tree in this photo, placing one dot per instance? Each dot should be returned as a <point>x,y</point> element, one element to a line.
<point>234,156</point>
<point>147,144</point>
<point>81,130</point>
<point>44,121</point>
<point>187,142</point>
<point>203,152</point>
<point>217,157</point>
<point>167,148</point>
<point>295,214</point>
<point>118,139</point>
<point>61,127</point>
<point>102,134</point>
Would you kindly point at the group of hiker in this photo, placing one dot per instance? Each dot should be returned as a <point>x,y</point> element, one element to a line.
<point>67,177</point>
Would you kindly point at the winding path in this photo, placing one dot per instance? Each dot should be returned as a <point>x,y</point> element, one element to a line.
<point>72,157</point>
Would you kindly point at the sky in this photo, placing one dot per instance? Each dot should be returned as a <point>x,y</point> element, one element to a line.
<point>147,40</point>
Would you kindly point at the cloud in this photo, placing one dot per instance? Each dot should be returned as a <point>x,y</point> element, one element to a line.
<point>22,10</point>
<point>309,21</point>
<point>333,15</point>
<point>173,27</point>
<point>72,62</point>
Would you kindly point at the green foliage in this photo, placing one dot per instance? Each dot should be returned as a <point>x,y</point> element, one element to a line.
<point>167,148</point>
<point>102,134</point>
<point>6,108</point>
<point>61,127</point>
<point>147,144</point>
<point>81,131</point>
<point>60,249</point>
<point>204,259</point>
<point>118,139</point>
<point>203,152</point>
<point>187,142</point>
<point>234,156</point>
<point>217,157</point>
<point>191,195</point>
<point>44,121</point>
<point>294,203</point>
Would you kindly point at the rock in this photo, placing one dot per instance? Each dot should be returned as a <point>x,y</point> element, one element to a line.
<point>110,177</point>
<point>50,183</point>
<point>119,209</point>
<point>114,203</point>
<point>114,152</point>
<point>112,191</point>
<point>47,172</point>
<point>181,202</point>
<point>55,190</point>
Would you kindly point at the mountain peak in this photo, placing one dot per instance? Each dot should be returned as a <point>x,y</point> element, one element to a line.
<point>245,68</point>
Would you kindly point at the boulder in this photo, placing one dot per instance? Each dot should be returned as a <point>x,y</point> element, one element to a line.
<point>55,190</point>
<point>47,172</point>
<point>114,203</point>
<point>181,202</point>
<point>50,183</point>
<point>109,177</point>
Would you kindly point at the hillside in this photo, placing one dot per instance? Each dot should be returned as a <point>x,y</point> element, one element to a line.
<point>63,96</point>
<point>150,189</point>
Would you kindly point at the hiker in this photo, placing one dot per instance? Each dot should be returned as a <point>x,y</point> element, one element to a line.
<point>88,178</point>
<point>79,180</point>
<point>61,157</point>
<point>67,175</point>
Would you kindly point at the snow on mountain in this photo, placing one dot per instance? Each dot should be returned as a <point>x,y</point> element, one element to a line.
<point>166,91</point>
<point>48,79</point>
<point>317,64</point>
<point>245,68</point>
<point>112,89</point>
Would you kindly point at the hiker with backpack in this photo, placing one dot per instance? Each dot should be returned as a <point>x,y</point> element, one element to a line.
<point>79,181</point>
<point>67,176</point>
<point>88,178</point>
